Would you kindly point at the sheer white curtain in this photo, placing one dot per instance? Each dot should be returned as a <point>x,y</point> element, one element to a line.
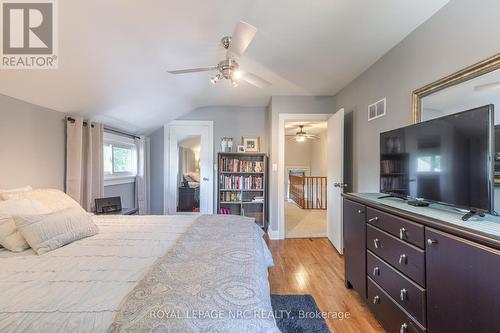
<point>142,179</point>
<point>84,161</point>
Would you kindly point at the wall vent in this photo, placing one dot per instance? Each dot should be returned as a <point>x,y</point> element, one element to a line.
<point>376,110</point>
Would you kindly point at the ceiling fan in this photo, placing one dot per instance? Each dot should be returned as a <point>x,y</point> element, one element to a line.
<point>229,68</point>
<point>302,136</point>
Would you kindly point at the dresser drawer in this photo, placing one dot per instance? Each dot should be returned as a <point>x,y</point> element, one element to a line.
<point>405,292</point>
<point>403,229</point>
<point>391,316</point>
<point>406,258</point>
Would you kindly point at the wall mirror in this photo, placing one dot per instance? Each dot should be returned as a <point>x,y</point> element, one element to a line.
<point>472,87</point>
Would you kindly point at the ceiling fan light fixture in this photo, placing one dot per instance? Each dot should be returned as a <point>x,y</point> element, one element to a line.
<point>300,138</point>
<point>228,69</point>
<point>215,79</point>
<point>237,75</point>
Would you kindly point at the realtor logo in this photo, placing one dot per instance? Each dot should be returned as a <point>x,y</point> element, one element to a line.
<point>29,34</point>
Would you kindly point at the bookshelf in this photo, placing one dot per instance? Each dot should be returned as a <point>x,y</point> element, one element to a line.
<point>394,173</point>
<point>242,185</point>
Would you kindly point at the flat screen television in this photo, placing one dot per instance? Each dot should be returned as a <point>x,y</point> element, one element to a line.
<point>449,160</point>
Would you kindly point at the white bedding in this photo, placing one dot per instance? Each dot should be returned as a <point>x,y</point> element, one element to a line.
<point>79,287</point>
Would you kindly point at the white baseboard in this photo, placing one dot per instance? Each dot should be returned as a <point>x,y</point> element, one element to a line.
<point>273,234</point>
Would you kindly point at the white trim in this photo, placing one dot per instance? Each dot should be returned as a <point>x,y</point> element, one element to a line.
<point>273,234</point>
<point>119,180</point>
<point>121,141</point>
<point>166,169</point>
<point>168,191</point>
<point>283,117</point>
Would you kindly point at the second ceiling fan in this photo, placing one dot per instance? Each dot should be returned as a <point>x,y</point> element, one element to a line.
<point>302,136</point>
<point>229,69</point>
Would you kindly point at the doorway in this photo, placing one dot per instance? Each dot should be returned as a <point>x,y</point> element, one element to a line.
<point>190,167</point>
<point>335,172</point>
<point>305,179</point>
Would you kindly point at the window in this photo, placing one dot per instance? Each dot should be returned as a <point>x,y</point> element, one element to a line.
<point>429,163</point>
<point>120,159</point>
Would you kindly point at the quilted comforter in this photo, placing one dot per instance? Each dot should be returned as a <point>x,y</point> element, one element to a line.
<point>214,279</point>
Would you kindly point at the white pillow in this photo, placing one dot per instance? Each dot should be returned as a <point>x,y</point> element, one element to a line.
<point>10,238</point>
<point>54,199</point>
<point>48,232</point>
<point>20,189</point>
<point>195,176</point>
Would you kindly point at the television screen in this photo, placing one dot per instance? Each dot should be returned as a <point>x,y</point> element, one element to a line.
<point>447,160</point>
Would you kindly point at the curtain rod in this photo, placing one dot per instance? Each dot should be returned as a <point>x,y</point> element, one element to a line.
<point>107,129</point>
<point>72,120</point>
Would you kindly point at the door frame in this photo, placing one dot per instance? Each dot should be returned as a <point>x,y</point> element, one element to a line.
<point>170,180</point>
<point>282,119</point>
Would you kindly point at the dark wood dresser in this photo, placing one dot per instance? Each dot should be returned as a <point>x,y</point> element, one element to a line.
<point>189,199</point>
<point>418,273</point>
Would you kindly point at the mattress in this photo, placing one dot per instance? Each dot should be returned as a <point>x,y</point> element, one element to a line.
<point>79,287</point>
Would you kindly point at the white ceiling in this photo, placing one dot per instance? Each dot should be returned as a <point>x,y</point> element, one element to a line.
<point>310,127</point>
<point>113,54</point>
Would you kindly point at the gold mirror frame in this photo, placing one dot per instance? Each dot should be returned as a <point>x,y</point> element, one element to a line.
<point>489,65</point>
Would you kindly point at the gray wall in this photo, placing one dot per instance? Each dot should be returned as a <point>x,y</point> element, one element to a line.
<point>462,33</point>
<point>233,122</point>
<point>157,171</point>
<point>32,148</point>
<point>125,191</point>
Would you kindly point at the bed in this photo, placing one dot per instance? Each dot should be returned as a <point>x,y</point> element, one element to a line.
<point>115,280</point>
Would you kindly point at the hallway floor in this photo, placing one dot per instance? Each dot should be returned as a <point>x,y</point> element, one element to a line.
<point>304,223</point>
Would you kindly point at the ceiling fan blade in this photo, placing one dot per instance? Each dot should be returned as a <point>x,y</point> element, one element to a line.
<point>255,80</point>
<point>193,70</point>
<point>242,37</point>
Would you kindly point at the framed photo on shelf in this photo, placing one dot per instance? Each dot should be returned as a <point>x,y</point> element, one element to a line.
<point>241,149</point>
<point>251,144</point>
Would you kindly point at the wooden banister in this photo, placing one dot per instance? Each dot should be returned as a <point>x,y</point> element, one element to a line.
<point>308,192</point>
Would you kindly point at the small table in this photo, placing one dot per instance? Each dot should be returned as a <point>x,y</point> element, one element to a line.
<point>123,211</point>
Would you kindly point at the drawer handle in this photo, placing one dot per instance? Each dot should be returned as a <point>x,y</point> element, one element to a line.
<point>376,271</point>
<point>403,259</point>
<point>373,219</point>
<point>403,328</point>
<point>403,294</point>
<point>402,233</point>
<point>376,243</point>
<point>376,299</point>
<point>360,211</point>
<point>431,241</point>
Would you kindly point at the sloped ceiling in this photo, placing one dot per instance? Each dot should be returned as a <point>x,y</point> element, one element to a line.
<point>113,54</point>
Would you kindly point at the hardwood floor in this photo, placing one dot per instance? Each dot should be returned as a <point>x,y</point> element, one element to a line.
<point>313,266</point>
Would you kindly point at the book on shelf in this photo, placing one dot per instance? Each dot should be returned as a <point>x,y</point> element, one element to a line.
<point>392,166</point>
<point>230,196</point>
<point>237,165</point>
<point>231,182</point>
<point>393,183</point>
